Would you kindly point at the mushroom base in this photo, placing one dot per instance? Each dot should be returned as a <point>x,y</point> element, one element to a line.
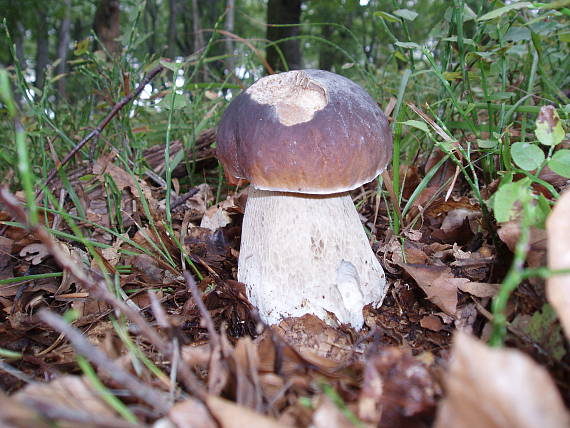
<point>308,254</point>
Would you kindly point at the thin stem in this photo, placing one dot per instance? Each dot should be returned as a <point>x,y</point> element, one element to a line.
<point>513,278</point>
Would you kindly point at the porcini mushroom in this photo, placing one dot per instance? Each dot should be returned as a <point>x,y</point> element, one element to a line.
<point>304,139</point>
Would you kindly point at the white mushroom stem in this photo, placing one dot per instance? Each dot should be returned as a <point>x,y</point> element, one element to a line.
<point>308,254</point>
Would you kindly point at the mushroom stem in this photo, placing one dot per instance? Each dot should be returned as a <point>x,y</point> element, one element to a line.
<point>304,254</point>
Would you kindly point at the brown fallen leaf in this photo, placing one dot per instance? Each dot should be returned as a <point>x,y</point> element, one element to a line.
<point>438,283</point>
<point>218,215</point>
<point>6,260</point>
<point>196,201</point>
<point>408,389</point>
<point>191,413</point>
<point>479,289</point>
<point>18,415</point>
<point>497,388</point>
<point>328,415</point>
<point>431,322</point>
<point>34,253</point>
<point>230,415</point>
<point>509,233</point>
<point>215,218</point>
<point>370,396</point>
<point>105,165</point>
<point>558,231</point>
<point>316,341</point>
<point>71,393</point>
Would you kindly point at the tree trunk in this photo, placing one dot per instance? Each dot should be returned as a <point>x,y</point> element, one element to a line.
<point>199,43</point>
<point>171,31</point>
<point>42,49</point>
<point>150,27</point>
<point>78,31</point>
<point>107,25</point>
<point>63,47</point>
<point>284,12</point>
<point>326,52</point>
<point>196,27</point>
<point>229,27</point>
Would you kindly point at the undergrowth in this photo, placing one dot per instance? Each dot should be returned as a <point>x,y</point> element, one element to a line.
<point>473,93</point>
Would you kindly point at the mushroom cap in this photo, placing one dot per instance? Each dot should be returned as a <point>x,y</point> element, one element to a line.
<point>305,131</point>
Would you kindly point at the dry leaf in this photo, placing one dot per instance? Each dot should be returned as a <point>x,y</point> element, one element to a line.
<point>105,165</point>
<point>431,322</point>
<point>78,256</point>
<point>328,415</point>
<point>197,203</point>
<point>69,392</point>
<point>438,283</point>
<point>230,415</point>
<point>122,179</point>
<point>111,254</point>
<point>215,218</point>
<point>509,233</point>
<point>479,289</point>
<point>6,260</point>
<point>408,389</point>
<point>456,217</point>
<point>34,253</point>
<point>246,361</point>
<point>370,397</point>
<point>312,338</point>
<point>17,415</point>
<point>558,287</point>
<point>497,388</point>
<point>191,413</point>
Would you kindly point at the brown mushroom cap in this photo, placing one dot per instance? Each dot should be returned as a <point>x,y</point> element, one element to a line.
<point>307,131</point>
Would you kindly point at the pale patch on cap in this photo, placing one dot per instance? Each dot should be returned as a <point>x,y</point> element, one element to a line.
<point>295,96</point>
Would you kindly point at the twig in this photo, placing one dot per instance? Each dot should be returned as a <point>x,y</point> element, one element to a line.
<point>191,282</point>
<point>157,400</point>
<point>97,131</point>
<point>51,411</point>
<point>5,367</point>
<point>183,198</point>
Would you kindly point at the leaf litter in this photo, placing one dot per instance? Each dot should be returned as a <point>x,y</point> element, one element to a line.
<point>188,350</point>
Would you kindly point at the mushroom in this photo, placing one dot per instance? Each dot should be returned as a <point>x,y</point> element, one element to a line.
<point>304,139</point>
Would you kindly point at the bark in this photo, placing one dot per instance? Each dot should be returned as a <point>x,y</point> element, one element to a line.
<point>150,27</point>
<point>284,12</point>
<point>186,43</point>
<point>197,28</point>
<point>330,56</point>
<point>171,31</point>
<point>229,27</point>
<point>326,52</point>
<point>107,25</point>
<point>213,11</point>
<point>199,43</point>
<point>42,49</point>
<point>78,32</point>
<point>63,47</point>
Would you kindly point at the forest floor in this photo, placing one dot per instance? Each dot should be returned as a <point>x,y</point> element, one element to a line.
<point>155,353</point>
